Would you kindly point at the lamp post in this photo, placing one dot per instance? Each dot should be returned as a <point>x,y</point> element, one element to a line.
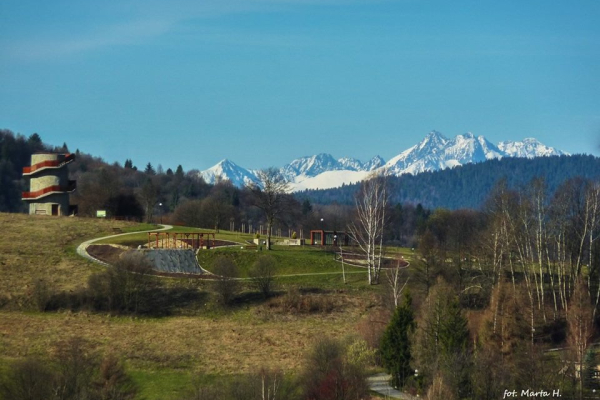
<point>161,211</point>
<point>335,240</point>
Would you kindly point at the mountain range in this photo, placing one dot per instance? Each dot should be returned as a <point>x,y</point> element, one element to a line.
<point>434,152</point>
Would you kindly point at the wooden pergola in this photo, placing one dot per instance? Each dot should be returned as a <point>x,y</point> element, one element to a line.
<point>181,240</point>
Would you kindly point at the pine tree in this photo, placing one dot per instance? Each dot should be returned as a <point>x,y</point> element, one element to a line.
<point>179,172</point>
<point>150,169</point>
<point>395,344</point>
<point>454,333</point>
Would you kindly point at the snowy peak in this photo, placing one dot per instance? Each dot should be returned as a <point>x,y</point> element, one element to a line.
<point>310,166</point>
<point>434,152</point>
<point>230,171</point>
<point>373,163</point>
<point>528,148</point>
<point>350,164</point>
<point>433,141</point>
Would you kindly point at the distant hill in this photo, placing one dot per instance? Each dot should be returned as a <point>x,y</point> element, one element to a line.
<point>468,186</point>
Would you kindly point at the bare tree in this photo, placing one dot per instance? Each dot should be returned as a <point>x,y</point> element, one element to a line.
<point>148,195</point>
<point>271,197</point>
<point>367,229</point>
<point>395,278</point>
<point>580,327</point>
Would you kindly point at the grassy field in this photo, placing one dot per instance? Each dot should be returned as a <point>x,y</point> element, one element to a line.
<point>38,247</point>
<point>163,353</point>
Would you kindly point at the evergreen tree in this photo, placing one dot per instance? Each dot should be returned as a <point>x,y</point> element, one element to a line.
<point>179,172</point>
<point>306,207</point>
<point>128,163</point>
<point>395,344</point>
<point>454,333</point>
<point>590,364</point>
<point>150,169</point>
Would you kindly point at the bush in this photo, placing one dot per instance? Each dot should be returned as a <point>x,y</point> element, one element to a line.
<point>72,374</point>
<point>330,375</point>
<point>294,302</point>
<point>112,382</point>
<point>294,235</point>
<point>41,295</point>
<point>226,286</point>
<point>262,274</point>
<point>124,288</point>
<point>28,379</point>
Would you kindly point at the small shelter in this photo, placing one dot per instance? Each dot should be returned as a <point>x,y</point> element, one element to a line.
<point>321,237</point>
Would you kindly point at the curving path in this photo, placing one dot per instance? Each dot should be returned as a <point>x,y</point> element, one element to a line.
<point>380,383</point>
<point>82,248</point>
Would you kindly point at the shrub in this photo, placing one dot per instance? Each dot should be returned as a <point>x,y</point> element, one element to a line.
<point>294,302</point>
<point>41,295</point>
<point>226,286</point>
<point>262,274</point>
<point>112,382</point>
<point>28,379</point>
<point>74,369</point>
<point>72,374</point>
<point>395,344</point>
<point>124,288</point>
<point>294,235</point>
<point>330,375</point>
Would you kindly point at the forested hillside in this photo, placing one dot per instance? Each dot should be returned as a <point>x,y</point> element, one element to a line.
<point>469,185</point>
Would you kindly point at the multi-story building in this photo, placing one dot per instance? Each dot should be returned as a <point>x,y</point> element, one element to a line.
<point>49,184</point>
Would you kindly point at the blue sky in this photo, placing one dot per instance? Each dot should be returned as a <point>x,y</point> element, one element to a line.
<point>262,82</point>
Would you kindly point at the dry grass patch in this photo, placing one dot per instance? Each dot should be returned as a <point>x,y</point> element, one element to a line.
<point>212,345</point>
<point>43,248</point>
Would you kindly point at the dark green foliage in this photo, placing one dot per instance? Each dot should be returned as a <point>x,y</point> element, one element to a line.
<point>590,382</point>
<point>469,185</point>
<point>149,169</point>
<point>453,333</point>
<point>395,344</point>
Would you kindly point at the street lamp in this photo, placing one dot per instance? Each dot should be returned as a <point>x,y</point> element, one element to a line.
<point>161,211</point>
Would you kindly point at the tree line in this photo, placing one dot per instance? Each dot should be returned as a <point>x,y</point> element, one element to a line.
<point>468,186</point>
<point>499,288</point>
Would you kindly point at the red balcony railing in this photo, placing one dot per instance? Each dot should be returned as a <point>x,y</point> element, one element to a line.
<point>49,190</point>
<point>48,164</point>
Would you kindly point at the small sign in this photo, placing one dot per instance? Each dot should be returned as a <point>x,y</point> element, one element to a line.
<point>101,213</point>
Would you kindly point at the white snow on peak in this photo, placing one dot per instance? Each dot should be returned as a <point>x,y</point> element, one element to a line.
<point>230,171</point>
<point>434,152</point>
<point>528,148</point>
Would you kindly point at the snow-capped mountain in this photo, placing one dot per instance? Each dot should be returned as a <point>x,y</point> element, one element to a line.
<point>373,163</point>
<point>528,148</point>
<point>434,152</point>
<point>228,170</point>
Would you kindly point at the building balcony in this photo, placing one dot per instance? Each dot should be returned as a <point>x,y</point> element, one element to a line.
<point>38,194</point>
<point>48,164</point>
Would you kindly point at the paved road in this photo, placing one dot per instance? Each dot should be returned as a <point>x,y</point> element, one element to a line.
<point>380,383</point>
<point>82,248</point>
